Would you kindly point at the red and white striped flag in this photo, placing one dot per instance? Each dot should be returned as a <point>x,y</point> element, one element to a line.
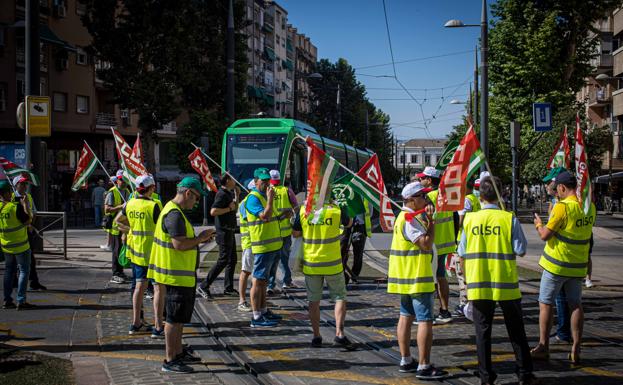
<point>199,164</point>
<point>130,164</point>
<point>584,190</point>
<point>12,170</point>
<point>371,174</point>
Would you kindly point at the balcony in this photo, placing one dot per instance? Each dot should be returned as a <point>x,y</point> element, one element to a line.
<point>105,120</point>
<point>617,102</point>
<point>618,21</point>
<point>599,97</point>
<point>617,63</point>
<point>603,60</point>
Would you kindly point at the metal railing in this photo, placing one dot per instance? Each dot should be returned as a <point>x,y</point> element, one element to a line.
<point>60,216</point>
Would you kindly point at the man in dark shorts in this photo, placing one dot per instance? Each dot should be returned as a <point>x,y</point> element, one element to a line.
<point>173,262</point>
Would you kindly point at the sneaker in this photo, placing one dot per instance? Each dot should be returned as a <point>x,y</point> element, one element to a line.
<point>204,293</point>
<point>37,286</point>
<point>244,306</point>
<point>187,356</point>
<point>25,306</point>
<point>559,341</point>
<point>138,329</point>
<point>290,286</point>
<point>316,342</point>
<point>443,317</point>
<point>272,316</point>
<point>409,368</point>
<point>588,283</point>
<point>231,293</point>
<point>270,291</point>
<point>105,248</point>
<point>157,334</point>
<point>117,279</point>
<point>176,366</point>
<point>263,322</point>
<point>343,343</point>
<point>458,311</point>
<point>9,305</point>
<point>149,294</point>
<point>431,373</point>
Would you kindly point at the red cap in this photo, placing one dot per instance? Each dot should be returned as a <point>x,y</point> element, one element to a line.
<point>275,182</point>
<point>420,175</point>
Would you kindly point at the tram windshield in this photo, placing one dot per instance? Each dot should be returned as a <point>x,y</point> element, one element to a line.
<point>245,153</point>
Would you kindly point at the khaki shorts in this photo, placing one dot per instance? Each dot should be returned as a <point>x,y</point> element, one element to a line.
<point>315,283</point>
<point>247,260</point>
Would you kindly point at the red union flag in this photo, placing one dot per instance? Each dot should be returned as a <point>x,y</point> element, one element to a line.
<point>371,174</point>
<point>198,162</point>
<point>453,181</point>
<point>584,190</point>
<point>137,150</point>
<point>132,165</point>
<point>86,165</point>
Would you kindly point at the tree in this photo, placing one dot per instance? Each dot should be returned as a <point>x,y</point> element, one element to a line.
<point>540,50</point>
<point>166,57</point>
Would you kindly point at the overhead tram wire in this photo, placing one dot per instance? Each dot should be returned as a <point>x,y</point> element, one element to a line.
<point>415,60</point>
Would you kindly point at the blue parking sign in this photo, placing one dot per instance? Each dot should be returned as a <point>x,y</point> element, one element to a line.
<point>542,117</point>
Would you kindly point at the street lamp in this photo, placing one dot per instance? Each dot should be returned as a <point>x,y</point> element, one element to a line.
<point>484,73</point>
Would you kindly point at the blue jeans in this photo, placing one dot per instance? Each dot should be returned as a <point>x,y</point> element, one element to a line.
<point>19,261</point>
<point>98,209</point>
<point>563,317</point>
<point>284,259</point>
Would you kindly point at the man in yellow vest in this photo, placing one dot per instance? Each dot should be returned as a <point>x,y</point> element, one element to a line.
<point>322,262</point>
<point>470,205</point>
<point>410,274</point>
<point>14,221</point>
<point>247,255</point>
<point>266,243</point>
<point>138,221</point>
<point>21,189</point>
<point>445,242</point>
<point>173,262</point>
<point>356,235</point>
<point>285,204</point>
<point>490,241</point>
<point>564,262</point>
<point>116,198</point>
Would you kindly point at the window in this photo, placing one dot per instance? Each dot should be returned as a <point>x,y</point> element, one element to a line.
<point>82,104</point>
<point>402,159</point>
<point>20,88</point>
<point>81,57</point>
<point>4,88</point>
<point>427,160</point>
<point>278,40</point>
<point>81,8</point>
<point>413,158</point>
<point>59,101</point>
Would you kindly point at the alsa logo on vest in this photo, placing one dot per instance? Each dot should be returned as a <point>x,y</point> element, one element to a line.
<point>5,215</point>
<point>585,221</point>
<point>136,215</point>
<point>326,221</point>
<point>486,230</point>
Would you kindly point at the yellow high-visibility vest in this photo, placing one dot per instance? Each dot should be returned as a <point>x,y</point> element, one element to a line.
<point>13,233</point>
<point>167,265</point>
<point>116,201</point>
<point>445,237</point>
<point>566,253</point>
<point>410,268</point>
<point>265,235</point>
<point>490,262</point>
<point>282,204</point>
<point>245,240</point>
<point>141,237</point>
<point>321,242</point>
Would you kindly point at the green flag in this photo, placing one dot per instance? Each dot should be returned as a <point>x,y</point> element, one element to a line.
<point>347,197</point>
<point>447,155</point>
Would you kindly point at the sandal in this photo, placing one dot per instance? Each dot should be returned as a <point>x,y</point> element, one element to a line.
<point>574,357</point>
<point>539,353</point>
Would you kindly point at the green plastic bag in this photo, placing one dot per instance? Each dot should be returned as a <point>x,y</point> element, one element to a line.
<point>123,260</point>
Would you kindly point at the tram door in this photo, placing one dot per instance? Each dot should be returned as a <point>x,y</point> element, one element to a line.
<point>296,170</point>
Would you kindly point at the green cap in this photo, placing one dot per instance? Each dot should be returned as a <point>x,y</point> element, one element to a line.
<point>190,182</point>
<point>553,173</point>
<point>4,185</point>
<point>261,173</point>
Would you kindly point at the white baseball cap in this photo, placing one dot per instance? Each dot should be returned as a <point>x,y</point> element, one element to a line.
<point>145,181</point>
<point>275,177</point>
<point>413,188</point>
<point>20,179</point>
<point>429,171</point>
<point>484,174</point>
<point>119,174</point>
<point>251,184</point>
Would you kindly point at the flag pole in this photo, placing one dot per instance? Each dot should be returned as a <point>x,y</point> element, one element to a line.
<point>495,186</point>
<point>358,177</point>
<point>104,168</point>
<point>219,166</point>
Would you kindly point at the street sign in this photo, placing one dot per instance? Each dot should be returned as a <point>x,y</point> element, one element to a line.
<point>542,117</point>
<point>38,116</point>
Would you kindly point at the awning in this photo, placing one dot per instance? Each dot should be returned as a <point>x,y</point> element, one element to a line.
<point>606,178</point>
<point>267,28</point>
<point>289,45</point>
<point>252,92</point>
<point>287,64</point>
<point>270,100</point>
<point>270,54</point>
<point>47,35</point>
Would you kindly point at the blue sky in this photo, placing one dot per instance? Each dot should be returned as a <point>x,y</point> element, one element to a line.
<point>355,30</point>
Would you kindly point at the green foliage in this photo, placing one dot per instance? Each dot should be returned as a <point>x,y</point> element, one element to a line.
<point>351,117</point>
<point>167,57</point>
<point>539,51</point>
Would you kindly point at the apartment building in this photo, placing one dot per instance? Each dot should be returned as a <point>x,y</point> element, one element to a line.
<point>415,154</point>
<point>279,60</point>
<point>82,108</point>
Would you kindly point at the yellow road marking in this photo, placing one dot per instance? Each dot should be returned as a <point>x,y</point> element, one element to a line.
<point>601,372</point>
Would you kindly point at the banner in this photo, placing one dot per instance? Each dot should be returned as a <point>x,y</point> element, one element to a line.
<point>347,196</point>
<point>584,190</point>
<point>321,170</point>
<point>371,173</point>
<point>137,150</point>
<point>199,164</point>
<point>85,167</point>
<point>562,153</point>
<point>467,158</point>
<point>130,164</point>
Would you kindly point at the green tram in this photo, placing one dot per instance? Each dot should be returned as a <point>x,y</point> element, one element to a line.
<point>273,143</point>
